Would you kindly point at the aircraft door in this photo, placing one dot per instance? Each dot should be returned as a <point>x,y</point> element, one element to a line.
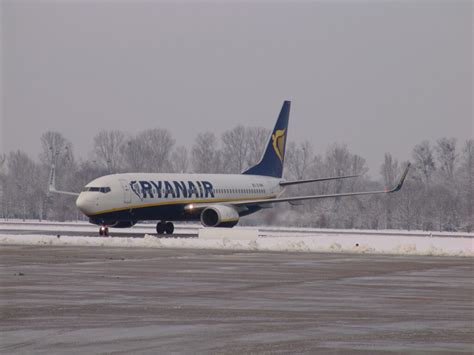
<point>127,192</point>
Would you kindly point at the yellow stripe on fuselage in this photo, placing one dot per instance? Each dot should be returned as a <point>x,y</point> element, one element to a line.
<point>176,202</point>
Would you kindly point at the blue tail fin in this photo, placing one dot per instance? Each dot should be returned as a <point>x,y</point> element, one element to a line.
<point>271,163</point>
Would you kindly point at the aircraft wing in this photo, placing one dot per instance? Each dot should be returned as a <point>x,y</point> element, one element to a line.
<point>292,200</point>
<point>295,182</point>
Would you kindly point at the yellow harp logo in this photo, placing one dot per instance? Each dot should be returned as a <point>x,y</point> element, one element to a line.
<point>278,140</point>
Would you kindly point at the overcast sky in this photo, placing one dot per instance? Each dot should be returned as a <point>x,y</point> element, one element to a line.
<point>379,76</point>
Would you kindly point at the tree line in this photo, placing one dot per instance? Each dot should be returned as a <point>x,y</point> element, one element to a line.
<point>438,193</point>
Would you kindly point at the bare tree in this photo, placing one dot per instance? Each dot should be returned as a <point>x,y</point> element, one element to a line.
<point>3,159</point>
<point>338,160</point>
<point>299,159</point>
<point>447,156</point>
<point>206,157</point>
<point>55,147</point>
<point>424,161</point>
<point>108,150</point>
<point>466,173</point>
<point>149,151</point>
<point>159,145</point>
<point>257,139</point>
<point>23,187</point>
<point>180,161</point>
<point>3,176</point>
<point>134,153</point>
<point>407,211</point>
<point>389,171</point>
<point>235,149</point>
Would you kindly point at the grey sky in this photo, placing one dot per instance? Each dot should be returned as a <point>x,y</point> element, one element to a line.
<point>380,76</point>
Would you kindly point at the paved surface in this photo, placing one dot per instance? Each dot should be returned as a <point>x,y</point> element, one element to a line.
<point>112,300</point>
<point>6,231</point>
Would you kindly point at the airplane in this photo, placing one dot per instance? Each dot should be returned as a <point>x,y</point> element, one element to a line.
<point>217,200</point>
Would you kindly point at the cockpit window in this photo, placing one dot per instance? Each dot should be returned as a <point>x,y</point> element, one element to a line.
<point>104,190</point>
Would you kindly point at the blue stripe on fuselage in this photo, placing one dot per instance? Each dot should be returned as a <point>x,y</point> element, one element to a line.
<point>172,212</point>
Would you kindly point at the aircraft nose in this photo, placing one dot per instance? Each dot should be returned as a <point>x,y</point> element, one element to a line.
<point>84,204</point>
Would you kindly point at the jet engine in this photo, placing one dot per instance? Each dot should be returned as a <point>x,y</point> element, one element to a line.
<point>219,216</point>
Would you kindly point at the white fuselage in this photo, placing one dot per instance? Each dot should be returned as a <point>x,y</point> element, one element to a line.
<point>148,196</point>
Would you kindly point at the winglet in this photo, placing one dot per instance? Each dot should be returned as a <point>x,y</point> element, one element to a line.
<point>52,183</point>
<point>402,180</point>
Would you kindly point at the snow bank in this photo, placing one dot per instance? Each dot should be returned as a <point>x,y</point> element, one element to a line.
<point>396,245</point>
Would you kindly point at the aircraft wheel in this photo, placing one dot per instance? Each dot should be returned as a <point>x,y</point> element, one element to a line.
<point>103,231</point>
<point>169,228</point>
<point>160,228</point>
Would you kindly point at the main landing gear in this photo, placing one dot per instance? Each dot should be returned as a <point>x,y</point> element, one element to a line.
<point>104,231</point>
<point>164,227</point>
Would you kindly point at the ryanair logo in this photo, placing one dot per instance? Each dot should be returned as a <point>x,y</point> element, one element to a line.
<point>278,140</point>
<point>172,189</point>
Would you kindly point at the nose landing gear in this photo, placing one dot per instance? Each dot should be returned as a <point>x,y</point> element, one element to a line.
<point>165,227</point>
<point>104,231</point>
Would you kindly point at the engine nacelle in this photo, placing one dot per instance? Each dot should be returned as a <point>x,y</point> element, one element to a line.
<point>219,216</point>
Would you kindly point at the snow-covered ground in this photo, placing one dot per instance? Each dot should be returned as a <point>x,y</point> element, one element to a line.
<point>80,226</point>
<point>270,239</point>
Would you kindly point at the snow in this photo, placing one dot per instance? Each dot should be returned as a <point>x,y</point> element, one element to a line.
<point>269,239</point>
<point>354,243</point>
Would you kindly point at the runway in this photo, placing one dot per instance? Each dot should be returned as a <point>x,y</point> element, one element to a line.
<point>57,299</point>
<point>86,230</point>
<point>69,233</point>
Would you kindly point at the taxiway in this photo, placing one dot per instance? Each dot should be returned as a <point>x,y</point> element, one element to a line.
<point>58,299</point>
